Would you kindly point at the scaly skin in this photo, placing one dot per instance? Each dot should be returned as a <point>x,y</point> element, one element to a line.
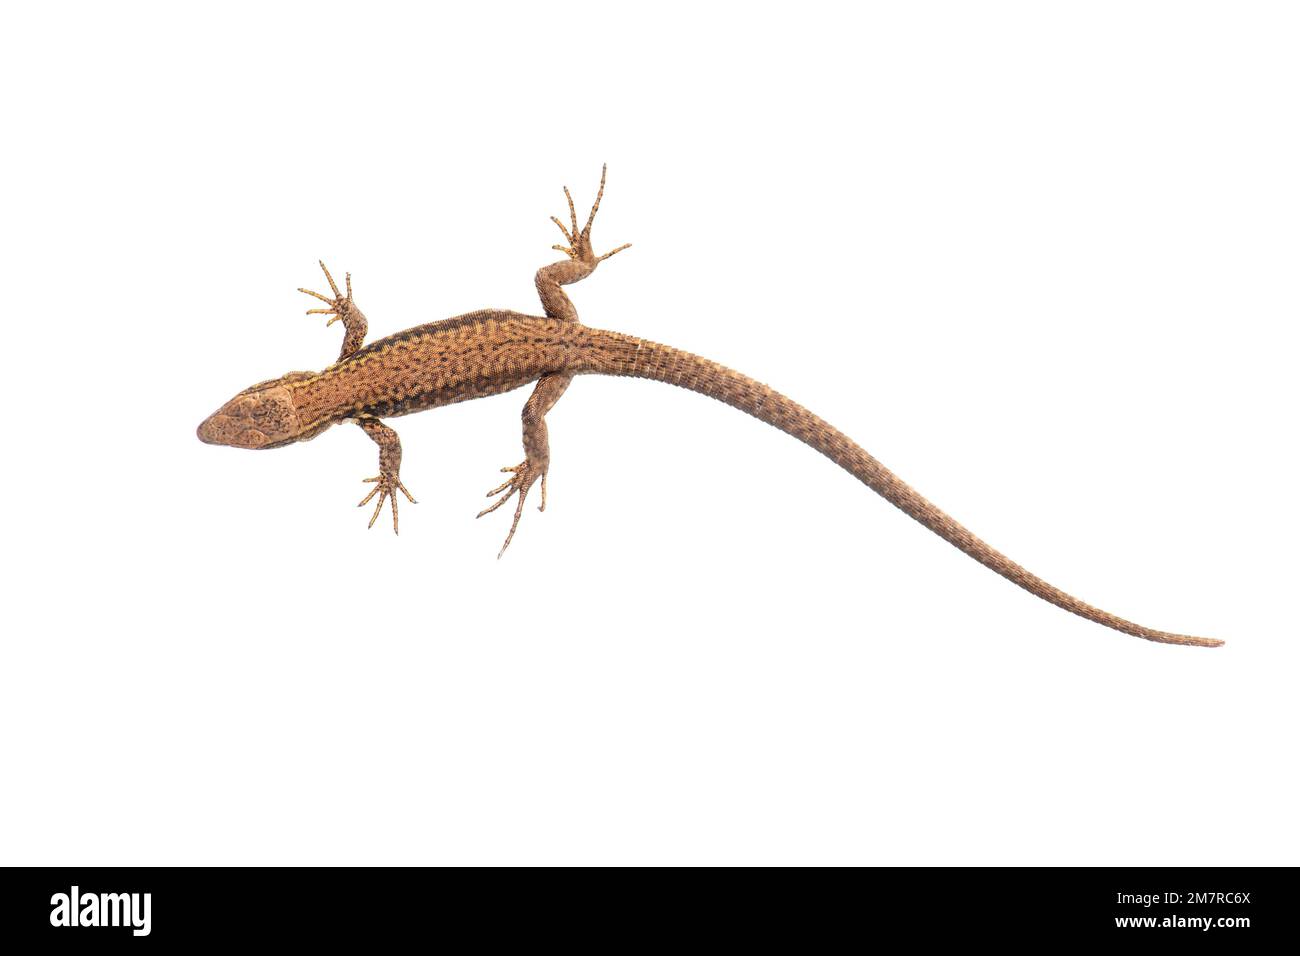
<point>494,351</point>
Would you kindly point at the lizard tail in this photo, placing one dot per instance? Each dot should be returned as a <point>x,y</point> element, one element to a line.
<point>617,354</point>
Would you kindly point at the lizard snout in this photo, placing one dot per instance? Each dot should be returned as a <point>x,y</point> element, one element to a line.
<point>208,432</point>
<point>255,418</point>
<point>221,429</point>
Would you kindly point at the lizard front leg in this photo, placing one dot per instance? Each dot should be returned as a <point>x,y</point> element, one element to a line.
<point>341,307</point>
<point>581,263</point>
<point>537,450</point>
<point>387,482</point>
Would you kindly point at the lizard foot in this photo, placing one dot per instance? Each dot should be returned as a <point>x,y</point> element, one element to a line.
<point>386,486</point>
<point>340,305</point>
<point>522,477</point>
<point>579,247</point>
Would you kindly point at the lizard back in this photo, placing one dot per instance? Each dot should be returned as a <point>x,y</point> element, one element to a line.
<point>474,355</point>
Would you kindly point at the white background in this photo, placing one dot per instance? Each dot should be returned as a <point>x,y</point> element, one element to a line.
<point>1041,259</point>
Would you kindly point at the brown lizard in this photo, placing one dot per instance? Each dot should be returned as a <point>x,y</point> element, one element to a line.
<point>493,351</point>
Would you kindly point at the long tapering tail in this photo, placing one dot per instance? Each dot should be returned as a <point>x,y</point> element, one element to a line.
<point>614,354</point>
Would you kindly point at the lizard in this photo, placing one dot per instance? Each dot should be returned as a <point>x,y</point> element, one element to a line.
<point>493,351</point>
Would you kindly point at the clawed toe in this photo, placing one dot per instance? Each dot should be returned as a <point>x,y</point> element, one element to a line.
<point>579,240</point>
<point>337,305</point>
<point>521,480</point>
<point>386,486</point>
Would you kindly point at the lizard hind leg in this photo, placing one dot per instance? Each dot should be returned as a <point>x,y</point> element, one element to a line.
<point>579,247</point>
<point>537,452</point>
<point>581,261</point>
<point>521,479</point>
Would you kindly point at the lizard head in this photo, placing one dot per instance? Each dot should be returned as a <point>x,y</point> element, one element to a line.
<point>263,416</point>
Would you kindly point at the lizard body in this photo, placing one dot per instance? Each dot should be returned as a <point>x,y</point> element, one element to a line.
<point>494,351</point>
